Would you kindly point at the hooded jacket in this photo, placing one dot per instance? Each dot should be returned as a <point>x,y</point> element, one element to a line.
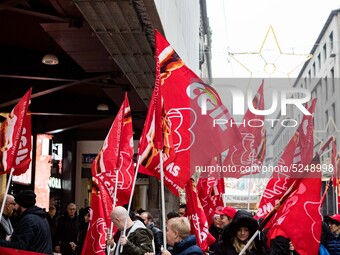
<point>32,232</point>
<point>242,218</point>
<point>140,240</point>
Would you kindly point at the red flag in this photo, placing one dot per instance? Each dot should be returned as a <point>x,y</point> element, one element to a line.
<point>190,137</point>
<point>297,155</point>
<point>100,222</point>
<point>210,192</point>
<point>10,251</point>
<point>251,151</point>
<point>197,217</point>
<point>115,160</point>
<point>15,138</point>
<point>303,203</point>
<point>24,155</point>
<point>114,163</point>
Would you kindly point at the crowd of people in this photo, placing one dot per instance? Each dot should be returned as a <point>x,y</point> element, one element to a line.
<point>25,226</point>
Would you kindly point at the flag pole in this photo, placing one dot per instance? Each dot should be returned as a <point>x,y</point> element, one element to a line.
<point>282,200</point>
<point>249,183</point>
<point>130,200</point>
<point>325,192</point>
<point>336,200</point>
<point>113,206</point>
<point>162,197</point>
<point>7,189</point>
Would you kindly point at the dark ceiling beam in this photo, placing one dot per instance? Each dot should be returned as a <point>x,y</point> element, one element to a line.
<point>41,78</point>
<point>7,4</point>
<point>49,91</point>
<point>39,14</point>
<point>59,130</point>
<point>25,77</point>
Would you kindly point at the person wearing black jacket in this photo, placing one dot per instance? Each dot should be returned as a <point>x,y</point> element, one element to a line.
<point>237,234</point>
<point>67,231</point>
<point>32,232</point>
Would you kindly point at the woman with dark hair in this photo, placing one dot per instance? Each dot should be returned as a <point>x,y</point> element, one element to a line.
<point>236,235</point>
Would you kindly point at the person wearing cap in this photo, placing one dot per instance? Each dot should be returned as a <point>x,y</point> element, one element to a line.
<point>227,214</point>
<point>32,232</point>
<point>333,240</point>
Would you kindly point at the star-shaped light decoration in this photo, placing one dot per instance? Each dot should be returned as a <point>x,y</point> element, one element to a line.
<point>270,61</point>
<point>322,135</point>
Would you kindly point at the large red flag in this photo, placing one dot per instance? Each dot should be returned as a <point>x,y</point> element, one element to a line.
<point>15,138</point>
<point>197,217</point>
<point>115,160</point>
<point>297,155</point>
<point>250,153</point>
<point>303,204</point>
<point>113,167</point>
<point>191,139</point>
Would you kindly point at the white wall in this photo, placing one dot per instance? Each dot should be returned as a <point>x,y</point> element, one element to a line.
<point>181,21</point>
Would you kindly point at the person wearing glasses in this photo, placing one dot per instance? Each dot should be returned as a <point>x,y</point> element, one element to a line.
<point>6,228</point>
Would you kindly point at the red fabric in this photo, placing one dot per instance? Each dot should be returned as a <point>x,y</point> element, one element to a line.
<point>24,155</point>
<point>252,150</point>
<point>115,160</point>
<point>197,217</point>
<point>303,203</point>
<point>190,138</point>
<point>299,151</point>
<point>10,251</point>
<point>209,191</point>
<point>100,222</point>
<point>157,97</point>
<point>15,138</point>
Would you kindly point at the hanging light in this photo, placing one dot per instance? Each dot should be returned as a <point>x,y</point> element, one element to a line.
<point>102,107</point>
<point>50,59</point>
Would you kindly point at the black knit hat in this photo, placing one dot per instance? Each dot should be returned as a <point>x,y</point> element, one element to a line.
<point>25,198</point>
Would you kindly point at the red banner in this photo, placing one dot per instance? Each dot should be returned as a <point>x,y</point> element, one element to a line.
<point>303,203</point>
<point>15,138</point>
<point>252,150</point>
<point>297,155</point>
<point>113,165</point>
<point>197,217</point>
<point>209,191</point>
<point>114,162</point>
<point>190,137</point>
<point>100,222</point>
